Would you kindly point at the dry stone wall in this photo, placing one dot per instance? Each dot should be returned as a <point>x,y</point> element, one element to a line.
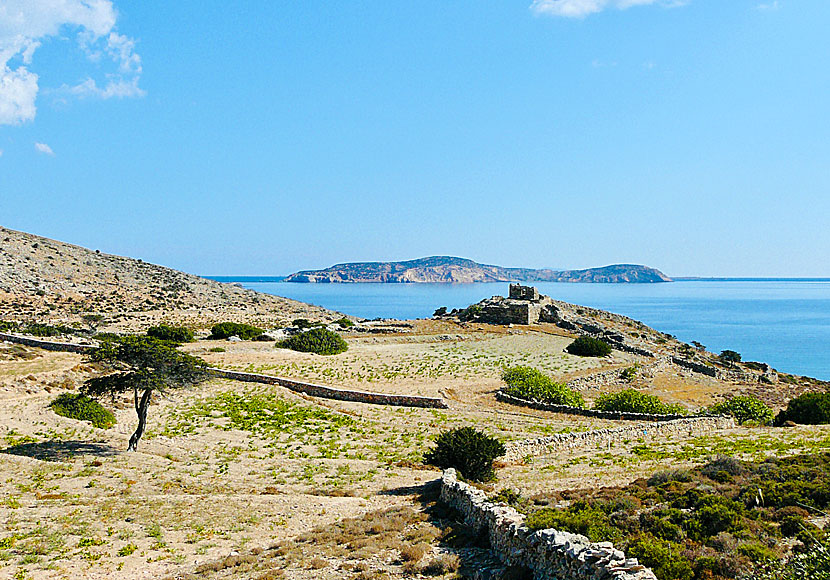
<point>549,554</point>
<point>331,393</point>
<point>666,430</point>
<point>568,410</point>
<point>46,344</point>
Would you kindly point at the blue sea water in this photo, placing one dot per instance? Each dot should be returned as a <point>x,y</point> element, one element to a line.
<point>785,323</point>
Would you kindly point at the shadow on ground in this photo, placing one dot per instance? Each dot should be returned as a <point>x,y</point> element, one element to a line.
<point>60,450</point>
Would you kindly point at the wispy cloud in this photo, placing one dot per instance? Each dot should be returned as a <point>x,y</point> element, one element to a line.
<point>44,148</point>
<point>24,24</point>
<point>582,8</point>
<point>769,6</point>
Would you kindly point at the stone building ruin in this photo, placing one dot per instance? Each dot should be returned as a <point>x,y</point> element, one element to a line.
<point>524,305</point>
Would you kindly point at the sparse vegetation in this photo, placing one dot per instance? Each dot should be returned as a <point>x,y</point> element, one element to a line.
<point>228,329</point>
<point>344,322</point>
<point>729,357</point>
<point>633,401</point>
<point>529,383</point>
<point>469,451</point>
<point>317,341</point>
<point>83,408</point>
<point>588,346</point>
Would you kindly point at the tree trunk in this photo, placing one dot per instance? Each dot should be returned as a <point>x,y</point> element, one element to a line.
<point>141,411</point>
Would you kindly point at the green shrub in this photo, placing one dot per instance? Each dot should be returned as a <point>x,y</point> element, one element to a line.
<point>177,334</point>
<point>467,450</point>
<point>344,322</point>
<point>228,329</point>
<point>317,341</point>
<point>83,408</point>
<point>580,518</point>
<point>633,401</point>
<point>744,408</point>
<point>440,311</point>
<point>305,323</point>
<point>216,349</point>
<point>587,346</point>
<point>530,383</point>
<point>807,409</point>
<point>470,313</point>
<point>7,326</point>
<point>43,330</point>
<point>729,357</point>
<point>663,557</point>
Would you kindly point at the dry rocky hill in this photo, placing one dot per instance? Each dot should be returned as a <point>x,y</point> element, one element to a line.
<point>50,281</point>
<point>448,269</point>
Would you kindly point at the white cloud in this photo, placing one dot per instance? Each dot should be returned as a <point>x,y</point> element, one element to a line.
<point>582,8</point>
<point>44,148</point>
<point>24,24</point>
<point>769,6</point>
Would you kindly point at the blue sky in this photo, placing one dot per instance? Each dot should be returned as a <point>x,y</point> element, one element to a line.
<point>263,138</point>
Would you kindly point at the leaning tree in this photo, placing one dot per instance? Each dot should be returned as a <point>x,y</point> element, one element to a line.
<point>142,364</point>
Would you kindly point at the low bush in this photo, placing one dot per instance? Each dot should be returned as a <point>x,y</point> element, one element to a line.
<point>178,334</point>
<point>470,313</point>
<point>43,330</point>
<point>83,408</point>
<point>530,383</point>
<point>587,346</point>
<point>467,450</point>
<point>440,311</point>
<point>344,322</point>
<point>633,401</point>
<point>744,408</point>
<point>582,517</point>
<point>729,357</point>
<point>228,329</point>
<point>317,341</point>
<point>663,557</point>
<point>807,409</point>
<point>7,326</point>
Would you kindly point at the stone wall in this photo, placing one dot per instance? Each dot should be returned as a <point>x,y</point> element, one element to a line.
<point>332,393</point>
<point>568,410</point>
<point>547,553</point>
<point>297,386</point>
<point>667,430</point>
<point>46,344</point>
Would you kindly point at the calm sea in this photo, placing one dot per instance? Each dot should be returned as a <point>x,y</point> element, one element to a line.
<point>785,323</point>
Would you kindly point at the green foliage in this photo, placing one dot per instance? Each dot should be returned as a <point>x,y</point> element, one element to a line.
<point>588,346</point>
<point>729,356</point>
<point>469,451</point>
<point>317,341</point>
<point>663,557</point>
<point>582,517</point>
<point>811,565</point>
<point>529,383</point>
<point>807,409</point>
<point>305,323</point>
<point>216,349</point>
<point>727,519</point>
<point>83,408</point>
<point>228,329</point>
<point>470,313</point>
<point>633,401</point>
<point>744,408</point>
<point>44,330</point>
<point>9,326</point>
<point>143,362</point>
<point>630,373</point>
<point>344,322</point>
<point>178,334</point>
<point>440,311</point>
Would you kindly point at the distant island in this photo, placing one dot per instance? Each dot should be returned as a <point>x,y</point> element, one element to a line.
<point>448,269</point>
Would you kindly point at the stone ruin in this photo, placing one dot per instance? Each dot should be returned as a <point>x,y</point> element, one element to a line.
<point>524,305</point>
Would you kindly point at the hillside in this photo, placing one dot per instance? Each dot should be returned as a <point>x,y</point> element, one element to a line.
<point>448,269</point>
<point>47,280</point>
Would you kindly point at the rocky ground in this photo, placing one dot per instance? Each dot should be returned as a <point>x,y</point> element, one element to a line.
<point>53,282</point>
